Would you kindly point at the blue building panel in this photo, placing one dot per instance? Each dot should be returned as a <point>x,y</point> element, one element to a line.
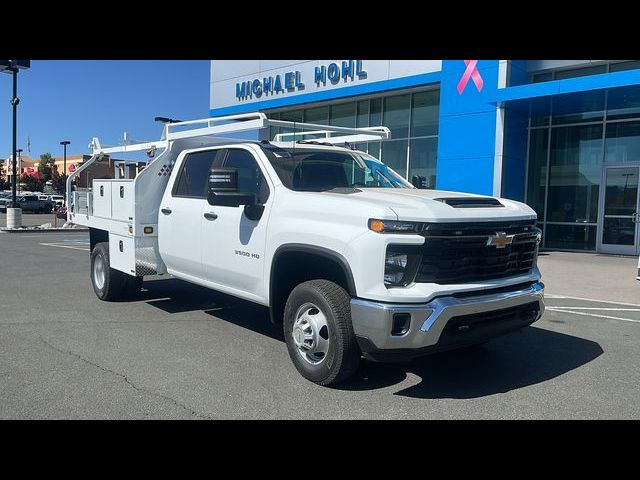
<point>467,136</point>
<point>469,99</point>
<point>514,162</point>
<point>467,129</point>
<point>472,175</point>
<point>569,85</point>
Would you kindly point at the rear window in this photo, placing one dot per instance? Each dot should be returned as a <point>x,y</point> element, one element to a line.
<point>192,180</point>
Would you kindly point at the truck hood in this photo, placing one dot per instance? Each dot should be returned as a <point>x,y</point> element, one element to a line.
<point>421,205</point>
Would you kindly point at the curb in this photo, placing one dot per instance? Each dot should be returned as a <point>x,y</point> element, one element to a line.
<point>42,230</point>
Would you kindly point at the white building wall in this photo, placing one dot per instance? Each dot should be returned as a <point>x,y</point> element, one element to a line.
<point>225,74</point>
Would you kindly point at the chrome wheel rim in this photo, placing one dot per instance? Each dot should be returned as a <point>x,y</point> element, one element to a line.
<point>99,273</point>
<point>310,334</point>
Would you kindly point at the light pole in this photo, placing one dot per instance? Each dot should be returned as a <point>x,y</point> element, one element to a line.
<point>19,151</point>
<point>64,143</point>
<point>14,214</point>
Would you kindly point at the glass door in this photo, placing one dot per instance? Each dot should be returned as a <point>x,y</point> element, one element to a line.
<point>619,232</point>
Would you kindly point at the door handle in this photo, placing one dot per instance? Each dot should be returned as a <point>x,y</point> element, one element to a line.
<point>166,211</point>
<point>211,216</point>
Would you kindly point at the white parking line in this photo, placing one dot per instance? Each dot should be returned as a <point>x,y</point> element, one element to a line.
<point>561,310</point>
<point>62,235</point>
<point>599,308</point>
<point>594,300</point>
<point>66,246</point>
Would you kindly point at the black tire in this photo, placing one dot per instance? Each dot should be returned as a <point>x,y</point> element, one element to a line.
<point>343,356</point>
<point>115,283</point>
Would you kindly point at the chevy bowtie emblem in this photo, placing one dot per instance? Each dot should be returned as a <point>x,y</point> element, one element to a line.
<point>500,240</point>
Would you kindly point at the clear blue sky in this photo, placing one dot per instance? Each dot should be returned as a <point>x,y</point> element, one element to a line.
<point>78,99</point>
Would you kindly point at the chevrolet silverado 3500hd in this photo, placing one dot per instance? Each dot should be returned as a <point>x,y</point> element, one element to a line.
<point>350,257</point>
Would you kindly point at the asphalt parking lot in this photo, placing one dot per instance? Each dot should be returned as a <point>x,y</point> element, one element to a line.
<point>34,219</point>
<point>184,352</point>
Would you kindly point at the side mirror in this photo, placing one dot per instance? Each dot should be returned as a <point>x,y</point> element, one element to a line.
<point>419,181</point>
<point>222,189</point>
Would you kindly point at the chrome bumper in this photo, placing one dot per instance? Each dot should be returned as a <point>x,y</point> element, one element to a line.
<point>373,320</point>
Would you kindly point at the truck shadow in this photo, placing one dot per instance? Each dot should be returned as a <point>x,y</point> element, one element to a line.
<point>527,357</point>
<point>176,296</point>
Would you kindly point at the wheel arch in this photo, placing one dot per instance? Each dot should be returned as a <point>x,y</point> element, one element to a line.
<point>97,236</point>
<point>320,263</point>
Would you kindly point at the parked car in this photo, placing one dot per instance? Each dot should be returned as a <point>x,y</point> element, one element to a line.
<point>28,203</point>
<point>58,200</point>
<point>5,200</point>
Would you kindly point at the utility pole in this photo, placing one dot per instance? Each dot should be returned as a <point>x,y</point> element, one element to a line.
<point>64,143</point>
<point>14,213</point>
<point>19,164</point>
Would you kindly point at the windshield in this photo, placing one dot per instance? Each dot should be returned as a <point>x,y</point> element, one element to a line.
<point>315,170</point>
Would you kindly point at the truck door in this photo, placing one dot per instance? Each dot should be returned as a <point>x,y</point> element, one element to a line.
<point>181,210</point>
<point>233,245</point>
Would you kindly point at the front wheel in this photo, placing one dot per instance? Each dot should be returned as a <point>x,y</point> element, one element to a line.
<point>319,334</point>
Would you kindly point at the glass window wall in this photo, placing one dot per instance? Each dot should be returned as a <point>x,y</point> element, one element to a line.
<point>411,117</point>
<point>568,144</point>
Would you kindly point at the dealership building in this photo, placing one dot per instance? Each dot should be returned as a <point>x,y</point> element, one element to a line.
<point>561,135</point>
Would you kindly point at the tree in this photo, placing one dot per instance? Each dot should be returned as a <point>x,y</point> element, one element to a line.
<point>58,181</point>
<point>45,167</point>
<point>33,181</point>
<point>4,185</point>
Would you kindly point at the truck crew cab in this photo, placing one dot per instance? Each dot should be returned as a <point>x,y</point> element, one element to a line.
<point>352,259</point>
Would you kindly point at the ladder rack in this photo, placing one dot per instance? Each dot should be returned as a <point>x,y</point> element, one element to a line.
<point>241,123</point>
<point>364,134</point>
<point>208,128</point>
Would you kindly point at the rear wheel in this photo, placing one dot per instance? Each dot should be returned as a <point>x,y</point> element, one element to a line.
<point>110,284</point>
<point>319,334</point>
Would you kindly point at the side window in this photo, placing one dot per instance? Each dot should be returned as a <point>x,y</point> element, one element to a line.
<point>192,179</point>
<point>250,177</point>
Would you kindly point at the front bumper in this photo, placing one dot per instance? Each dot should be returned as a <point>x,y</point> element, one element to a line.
<point>445,322</point>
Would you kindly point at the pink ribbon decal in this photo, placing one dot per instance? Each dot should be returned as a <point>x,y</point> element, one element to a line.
<point>470,72</point>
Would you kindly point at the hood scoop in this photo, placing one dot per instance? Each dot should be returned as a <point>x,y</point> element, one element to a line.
<point>470,202</point>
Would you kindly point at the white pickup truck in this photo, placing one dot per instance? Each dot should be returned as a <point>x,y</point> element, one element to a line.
<point>353,260</point>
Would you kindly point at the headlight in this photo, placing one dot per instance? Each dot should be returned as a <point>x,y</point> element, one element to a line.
<point>395,226</point>
<point>537,248</point>
<point>401,265</point>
